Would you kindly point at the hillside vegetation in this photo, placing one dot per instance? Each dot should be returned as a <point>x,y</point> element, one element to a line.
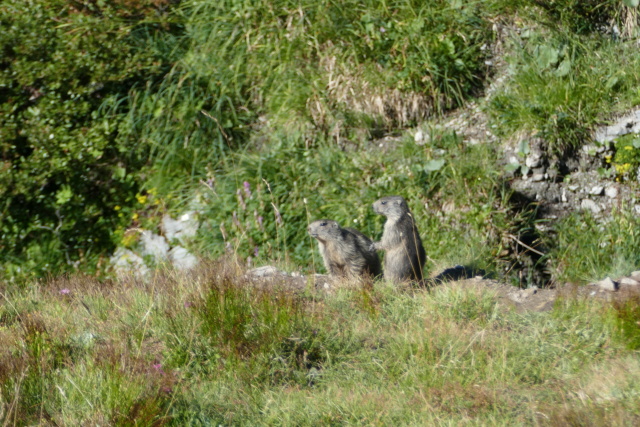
<point>116,112</point>
<point>262,116</point>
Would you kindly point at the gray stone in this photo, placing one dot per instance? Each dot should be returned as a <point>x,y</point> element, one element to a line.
<point>588,204</point>
<point>611,192</point>
<point>635,275</point>
<point>637,209</point>
<point>629,123</point>
<point>564,197</point>
<point>628,281</point>
<point>154,245</point>
<point>533,160</point>
<point>182,259</point>
<point>596,190</point>
<point>572,187</point>
<point>607,285</point>
<point>266,271</point>
<point>180,229</point>
<point>537,177</point>
<point>125,261</point>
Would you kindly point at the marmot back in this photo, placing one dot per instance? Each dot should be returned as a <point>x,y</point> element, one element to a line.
<point>405,256</point>
<point>346,252</point>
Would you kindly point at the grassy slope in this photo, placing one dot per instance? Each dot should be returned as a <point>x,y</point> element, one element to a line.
<point>282,133</point>
<point>208,349</point>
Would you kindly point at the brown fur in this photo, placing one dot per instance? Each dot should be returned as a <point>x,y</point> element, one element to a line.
<point>405,256</point>
<point>346,252</point>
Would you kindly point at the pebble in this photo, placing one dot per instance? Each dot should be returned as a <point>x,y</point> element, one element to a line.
<point>533,160</point>
<point>611,192</point>
<point>596,190</point>
<point>589,204</point>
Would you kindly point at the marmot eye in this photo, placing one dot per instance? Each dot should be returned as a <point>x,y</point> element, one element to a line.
<point>384,202</point>
<point>323,224</point>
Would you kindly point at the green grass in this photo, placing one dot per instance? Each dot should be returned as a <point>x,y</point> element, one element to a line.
<point>561,86</point>
<point>209,348</point>
<point>587,250</point>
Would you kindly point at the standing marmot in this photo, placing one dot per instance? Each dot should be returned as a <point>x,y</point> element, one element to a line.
<point>405,255</point>
<point>345,251</point>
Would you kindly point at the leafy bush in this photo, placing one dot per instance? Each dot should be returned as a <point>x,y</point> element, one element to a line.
<point>64,172</point>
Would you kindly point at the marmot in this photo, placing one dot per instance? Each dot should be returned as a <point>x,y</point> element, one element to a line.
<point>405,255</point>
<point>345,251</point>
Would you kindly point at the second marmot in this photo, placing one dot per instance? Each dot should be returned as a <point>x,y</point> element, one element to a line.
<point>345,251</point>
<point>405,256</point>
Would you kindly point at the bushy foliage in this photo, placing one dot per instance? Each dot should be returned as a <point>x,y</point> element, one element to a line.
<point>64,172</point>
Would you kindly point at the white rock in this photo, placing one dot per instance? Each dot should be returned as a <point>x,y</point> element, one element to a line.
<point>533,160</point>
<point>180,229</point>
<point>635,275</point>
<point>125,261</point>
<point>588,204</point>
<point>628,281</point>
<point>611,192</point>
<point>572,187</point>
<point>596,190</point>
<point>607,284</point>
<point>418,137</point>
<point>629,123</point>
<point>182,259</point>
<point>266,271</point>
<point>154,245</point>
<point>564,196</point>
<point>536,177</point>
<point>637,209</point>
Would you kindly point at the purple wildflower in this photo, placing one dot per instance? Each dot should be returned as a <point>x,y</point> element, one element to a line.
<point>158,367</point>
<point>188,304</point>
<point>235,220</point>
<point>241,200</point>
<point>260,220</point>
<point>65,291</point>
<point>247,188</point>
<point>256,251</point>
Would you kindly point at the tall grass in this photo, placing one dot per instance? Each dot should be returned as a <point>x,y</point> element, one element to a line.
<point>211,348</point>
<point>561,86</point>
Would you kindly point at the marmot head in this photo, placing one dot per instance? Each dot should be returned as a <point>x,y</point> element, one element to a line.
<point>391,206</point>
<point>324,229</point>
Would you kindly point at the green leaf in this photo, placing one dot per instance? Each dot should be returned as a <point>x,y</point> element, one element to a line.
<point>512,167</point>
<point>564,68</point>
<point>636,143</point>
<point>434,165</point>
<point>523,148</point>
<point>547,56</point>
<point>64,195</point>
<point>611,82</point>
<point>631,3</point>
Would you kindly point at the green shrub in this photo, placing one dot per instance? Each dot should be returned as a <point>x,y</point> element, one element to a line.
<point>64,173</point>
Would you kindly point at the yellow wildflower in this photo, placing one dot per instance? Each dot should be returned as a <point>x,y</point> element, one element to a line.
<point>141,199</point>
